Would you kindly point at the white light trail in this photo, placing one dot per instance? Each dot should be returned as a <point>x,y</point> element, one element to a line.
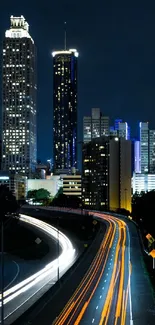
<point>63,261</point>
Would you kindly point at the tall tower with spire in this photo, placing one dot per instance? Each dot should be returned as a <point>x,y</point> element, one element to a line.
<point>65,108</point>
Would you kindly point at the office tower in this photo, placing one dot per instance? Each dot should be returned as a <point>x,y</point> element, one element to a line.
<point>106,175</point>
<point>152,151</point>
<point>124,130</point>
<point>117,121</point>
<point>95,173</point>
<point>95,125</point>
<point>136,155</point>
<point>65,109</point>
<point>144,146</point>
<point>113,132</point>
<point>19,99</point>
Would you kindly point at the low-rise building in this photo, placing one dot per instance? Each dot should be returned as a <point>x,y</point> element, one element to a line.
<point>16,183</point>
<point>143,183</point>
<point>72,185</point>
<point>51,184</point>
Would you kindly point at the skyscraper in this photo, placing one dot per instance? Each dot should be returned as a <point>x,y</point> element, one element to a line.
<point>106,176</point>
<point>19,147</point>
<point>95,126</point>
<point>144,146</point>
<point>152,151</point>
<point>65,109</point>
<point>124,130</point>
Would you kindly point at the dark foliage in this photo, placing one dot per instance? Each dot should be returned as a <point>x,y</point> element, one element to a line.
<point>8,203</point>
<point>143,211</point>
<point>67,201</point>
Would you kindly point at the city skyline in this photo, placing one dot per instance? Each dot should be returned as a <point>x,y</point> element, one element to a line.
<point>104,78</point>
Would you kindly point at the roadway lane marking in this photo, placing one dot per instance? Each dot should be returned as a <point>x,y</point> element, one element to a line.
<point>96,307</point>
<point>100,297</point>
<point>102,288</point>
<point>93,320</point>
<point>15,277</point>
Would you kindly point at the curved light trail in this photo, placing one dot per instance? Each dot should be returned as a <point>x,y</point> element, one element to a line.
<point>28,287</point>
<point>104,295</point>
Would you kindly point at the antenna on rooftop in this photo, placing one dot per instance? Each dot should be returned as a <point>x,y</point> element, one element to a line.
<point>65,35</point>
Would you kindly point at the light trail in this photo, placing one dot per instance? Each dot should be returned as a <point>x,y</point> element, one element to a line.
<point>65,259</point>
<point>113,247</point>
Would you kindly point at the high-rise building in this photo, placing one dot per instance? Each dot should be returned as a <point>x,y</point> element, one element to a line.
<point>124,130</point>
<point>95,126</point>
<point>19,144</point>
<point>136,155</point>
<point>144,146</point>
<point>65,109</point>
<point>152,151</point>
<point>116,125</point>
<point>106,176</point>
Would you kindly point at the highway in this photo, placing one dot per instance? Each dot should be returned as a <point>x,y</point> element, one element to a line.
<point>25,293</point>
<point>104,295</point>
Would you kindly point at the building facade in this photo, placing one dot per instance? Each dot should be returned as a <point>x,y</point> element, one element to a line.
<point>52,184</point>
<point>124,130</point>
<point>106,176</point>
<point>136,154</point>
<point>95,126</point>
<point>143,183</point>
<point>144,146</point>
<point>152,151</point>
<point>72,185</point>
<point>95,173</point>
<point>65,109</point>
<point>17,184</point>
<point>19,142</point>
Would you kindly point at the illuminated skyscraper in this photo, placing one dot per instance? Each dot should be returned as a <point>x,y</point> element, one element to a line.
<point>124,130</point>
<point>65,109</point>
<point>19,147</point>
<point>152,151</point>
<point>106,173</point>
<point>144,146</point>
<point>95,126</point>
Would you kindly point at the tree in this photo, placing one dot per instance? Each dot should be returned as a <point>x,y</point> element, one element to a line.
<point>143,210</point>
<point>67,201</point>
<point>31,194</point>
<point>41,195</point>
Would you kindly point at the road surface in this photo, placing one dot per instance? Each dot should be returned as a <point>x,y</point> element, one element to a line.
<point>107,292</point>
<point>26,292</point>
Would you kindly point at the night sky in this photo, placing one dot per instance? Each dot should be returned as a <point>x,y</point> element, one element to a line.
<point>116,42</point>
